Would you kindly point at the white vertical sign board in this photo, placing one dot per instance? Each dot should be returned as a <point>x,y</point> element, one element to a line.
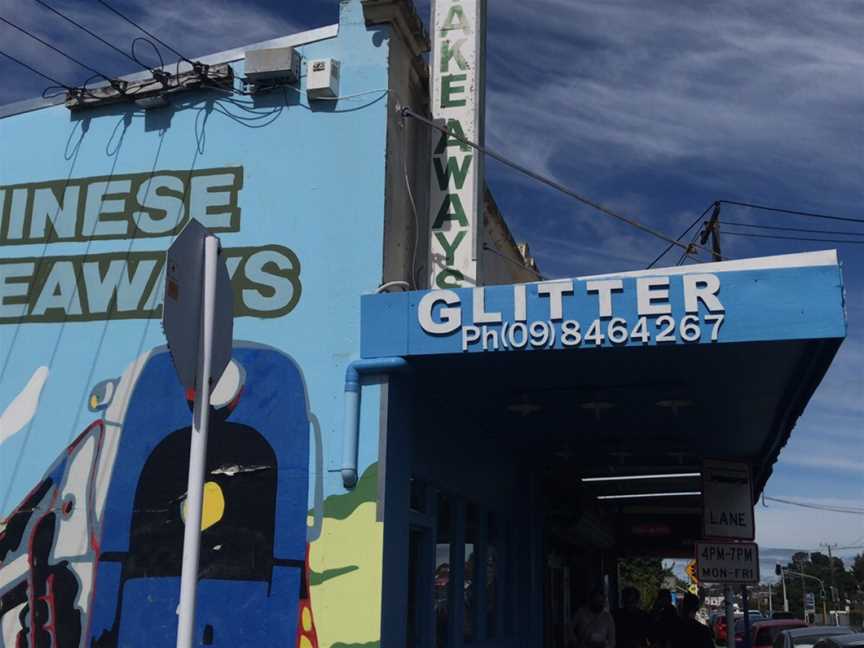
<point>456,197</point>
<point>727,497</point>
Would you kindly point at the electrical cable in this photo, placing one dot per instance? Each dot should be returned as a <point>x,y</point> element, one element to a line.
<point>75,294</point>
<point>88,383</point>
<point>791,238</point>
<point>413,278</point>
<point>793,212</point>
<point>59,84</point>
<point>488,248</point>
<point>683,234</point>
<point>549,182</point>
<point>135,41</point>
<point>93,34</point>
<point>684,256</point>
<point>144,31</point>
<point>818,507</point>
<point>792,229</point>
<point>59,51</point>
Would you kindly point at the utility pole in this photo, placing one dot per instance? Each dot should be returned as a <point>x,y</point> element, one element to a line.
<point>712,229</point>
<point>782,574</point>
<point>829,546</point>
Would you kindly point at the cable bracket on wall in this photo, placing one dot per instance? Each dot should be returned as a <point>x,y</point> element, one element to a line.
<point>154,92</point>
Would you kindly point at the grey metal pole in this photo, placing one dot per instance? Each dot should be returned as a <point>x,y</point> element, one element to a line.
<point>197,454</point>
<point>730,618</point>
<point>745,600</point>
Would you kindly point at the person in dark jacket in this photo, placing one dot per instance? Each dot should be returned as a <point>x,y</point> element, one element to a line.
<point>689,632</point>
<point>664,620</point>
<point>632,624</point>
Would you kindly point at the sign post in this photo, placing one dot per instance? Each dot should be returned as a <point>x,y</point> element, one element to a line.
<point>198,323</point>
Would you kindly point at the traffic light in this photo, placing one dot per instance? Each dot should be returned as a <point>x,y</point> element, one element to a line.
<point>778,569</point>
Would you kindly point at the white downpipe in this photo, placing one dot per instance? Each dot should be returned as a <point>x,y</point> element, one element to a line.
<point>198,454</point>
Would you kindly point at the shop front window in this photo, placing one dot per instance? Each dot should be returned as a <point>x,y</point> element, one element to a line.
<point>442,588</point>
<point>491,579</point>
<point>470,572</point>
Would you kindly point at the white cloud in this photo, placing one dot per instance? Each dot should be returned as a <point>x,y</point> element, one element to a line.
<point>731,100</point>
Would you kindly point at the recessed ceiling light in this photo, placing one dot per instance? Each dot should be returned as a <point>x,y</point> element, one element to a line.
<point>637,477</point>
<point>649,495</point>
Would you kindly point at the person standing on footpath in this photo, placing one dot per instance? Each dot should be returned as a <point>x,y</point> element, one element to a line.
<point>593,626</point>
<point>690,633</point>
<point>664,620</point>
<point>632,624</point>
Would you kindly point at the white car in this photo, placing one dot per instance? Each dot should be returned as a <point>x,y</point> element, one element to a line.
<point>808,637</point>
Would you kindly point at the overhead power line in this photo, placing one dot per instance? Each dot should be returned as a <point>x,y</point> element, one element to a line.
<point>56,49</point>
<point>793,212</point>
<point>93,34</point>
<point>407,112</point>
<point>59,84</point>
<point>781,228</point>
<point>144,31</point>
<point>726,232</point>
<point>683,234</point>
<point>850,510</point>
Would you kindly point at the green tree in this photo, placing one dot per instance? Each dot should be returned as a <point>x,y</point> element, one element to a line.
<point>858,570</point>
<point>646,575</point>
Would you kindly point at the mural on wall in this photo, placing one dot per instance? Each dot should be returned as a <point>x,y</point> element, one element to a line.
<point>127,284</point>
<point>92,555</point>
<point>345,567</point>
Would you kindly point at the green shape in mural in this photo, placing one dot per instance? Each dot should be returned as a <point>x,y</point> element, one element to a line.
<point>340,507</point>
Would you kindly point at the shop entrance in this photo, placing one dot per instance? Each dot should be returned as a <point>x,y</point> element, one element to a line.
<point>527,476</point>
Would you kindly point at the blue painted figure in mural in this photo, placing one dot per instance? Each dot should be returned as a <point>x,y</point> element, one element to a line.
<point>92,557</point>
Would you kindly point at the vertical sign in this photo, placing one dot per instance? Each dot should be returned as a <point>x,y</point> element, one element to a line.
<point>727,498</point>
<point>458,102</point>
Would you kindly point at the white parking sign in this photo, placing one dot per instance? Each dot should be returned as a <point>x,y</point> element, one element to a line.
<point>727,562</point>
<point>727,498</point>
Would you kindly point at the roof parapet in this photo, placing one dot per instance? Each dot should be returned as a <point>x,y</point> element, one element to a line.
<point>402,14</point>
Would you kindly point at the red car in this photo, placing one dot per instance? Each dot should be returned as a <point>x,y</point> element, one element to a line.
<point>763,633</point>
<point>720,629</point>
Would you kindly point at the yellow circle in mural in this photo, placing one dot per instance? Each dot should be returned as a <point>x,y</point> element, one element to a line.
<point>212,508</point>
<point>305,643</point>
<point>306,617</point>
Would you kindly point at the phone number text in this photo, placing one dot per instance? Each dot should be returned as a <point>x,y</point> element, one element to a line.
<point>541,334</point>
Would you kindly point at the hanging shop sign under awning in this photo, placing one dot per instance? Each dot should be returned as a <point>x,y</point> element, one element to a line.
<point>727,562</point>
<point>778,298</point>
<point>727,500</point>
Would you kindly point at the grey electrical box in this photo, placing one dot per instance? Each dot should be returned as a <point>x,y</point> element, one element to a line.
<point>322,79</point>
<point>276,64</point>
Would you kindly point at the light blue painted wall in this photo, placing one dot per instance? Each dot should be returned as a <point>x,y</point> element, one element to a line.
<point>313,182</point>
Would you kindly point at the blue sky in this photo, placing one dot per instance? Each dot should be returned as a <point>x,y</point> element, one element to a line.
<point>657,110</point>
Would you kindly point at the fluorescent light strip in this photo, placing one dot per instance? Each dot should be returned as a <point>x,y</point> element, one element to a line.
<point>635,477</point>
<point>649,495</point>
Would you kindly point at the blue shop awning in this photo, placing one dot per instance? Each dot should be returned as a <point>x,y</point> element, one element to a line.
<point>631,373</point>
<point>790,297</point>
